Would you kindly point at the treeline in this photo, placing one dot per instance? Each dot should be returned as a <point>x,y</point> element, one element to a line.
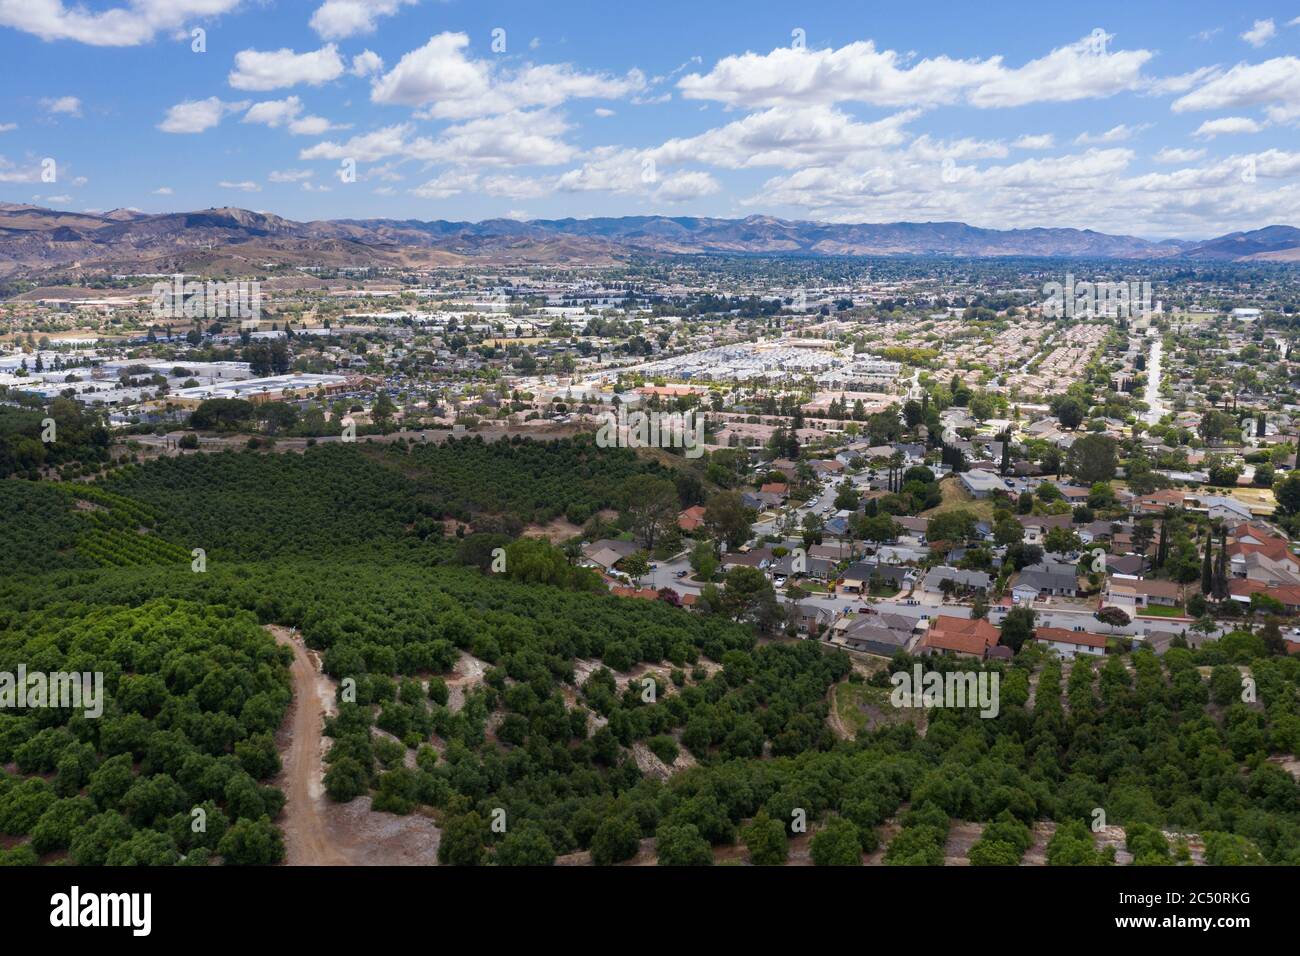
<point>169,773</point>
<point>59,435</point>
<point>533,481</point>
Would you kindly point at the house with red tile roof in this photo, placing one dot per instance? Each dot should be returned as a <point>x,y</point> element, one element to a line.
<point>958,636</point>
<point>691,519</point>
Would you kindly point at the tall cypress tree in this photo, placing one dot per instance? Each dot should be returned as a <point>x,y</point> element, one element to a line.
<point>1221,569</point>
<point>1207,566</point>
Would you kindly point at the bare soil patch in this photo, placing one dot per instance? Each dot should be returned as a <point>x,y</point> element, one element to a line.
<point>317,831</point>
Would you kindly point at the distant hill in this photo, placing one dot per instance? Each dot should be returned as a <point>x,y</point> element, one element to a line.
<point>1272,243</point>
<point>35,241</point>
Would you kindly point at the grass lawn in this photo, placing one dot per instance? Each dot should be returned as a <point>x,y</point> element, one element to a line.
<point>1158,610</point>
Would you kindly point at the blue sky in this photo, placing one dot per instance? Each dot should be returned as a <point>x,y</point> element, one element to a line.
<point>1157,119</point>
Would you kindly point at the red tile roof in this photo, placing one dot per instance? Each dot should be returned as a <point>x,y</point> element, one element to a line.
<point>960,635</point>
<point>691,518</point>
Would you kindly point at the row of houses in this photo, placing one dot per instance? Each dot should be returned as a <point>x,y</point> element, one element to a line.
<point>884,634</point>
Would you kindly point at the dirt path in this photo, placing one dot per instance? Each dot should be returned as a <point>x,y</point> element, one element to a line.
<point>317,831</point>
<point>838,725</point>
<point>302,779</point>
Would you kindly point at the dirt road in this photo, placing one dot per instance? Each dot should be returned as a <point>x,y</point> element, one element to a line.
<point>302,777</point>
<point>317,831</point>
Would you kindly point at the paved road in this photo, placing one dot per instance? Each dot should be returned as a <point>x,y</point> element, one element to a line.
<point>1152,395</point>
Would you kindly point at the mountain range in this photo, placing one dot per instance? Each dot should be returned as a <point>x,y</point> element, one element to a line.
<point>37,242</point>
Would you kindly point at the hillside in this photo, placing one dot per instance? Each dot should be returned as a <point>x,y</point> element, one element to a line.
<point>36,241</point>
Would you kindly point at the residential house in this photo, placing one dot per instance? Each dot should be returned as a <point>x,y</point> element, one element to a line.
<point>932,583</point>
<point>691,519</point>
<point>1219,507</point>
<point>819,569</point>
<point>810,620</point>
<point>856,579</point>
<point>1157,501</point>
<point>1289,594</point>
<point>958,636</point>
<point>607,552</point>
<point>881,634</point>
<point>980,483</point>
<point>1135,595</point>
<point>913,527</point>
<point>757,558</point>
<point>1126,565</point>
<point>826,467</point>
<point>1058,581</point>
<point>1068,644</point>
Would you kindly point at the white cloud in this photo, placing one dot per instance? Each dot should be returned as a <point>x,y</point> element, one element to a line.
<point>1260,33</point>
<point>6,127</point>
<point>1182,82</point>
<point>276,69</point>
<point>1116,134</point>
<point>163,191</point>
<point>446,184</point>
<point>138,21</point>
<point>337,19</point>
<point>366,148</point>
<point>858,72</point>
<point>1172,154</point>
<point>11,173</point>
<point>786,136</point>
<point>195,116</point>
<point>685,186</point>
<point>246,186</point>
<point>63,105</point>
<point>289,175</point>
<point>287,112</point>
<point>516,187</point>
<point>1226,126</point>
<point>455,181</point>
<point>439,78</point>
<point>367,62</point>
<point>1247,84</point>
<point>1035,141</point>
<point>603,112</point>
<point>274,112</point>
<point>313,126</point>
<point>530,138</point>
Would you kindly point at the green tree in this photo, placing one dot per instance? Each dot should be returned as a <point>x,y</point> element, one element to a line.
<point>680,844</point>
<point>618,838</point>
<point>766,841</point>
<point>1017,627</point>
<point>837,844</point>
<point>1092,458</point>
